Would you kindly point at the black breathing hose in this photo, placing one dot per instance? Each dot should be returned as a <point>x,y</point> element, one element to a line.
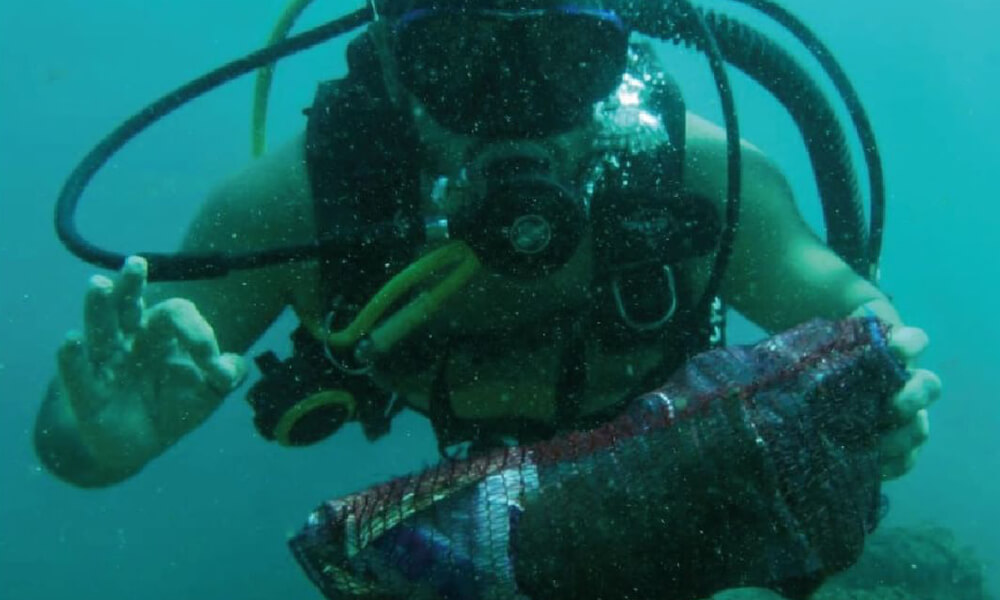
<point>187,265</point>
<point>666,23</point>
<point>862,125</point>
<point>775,70</point>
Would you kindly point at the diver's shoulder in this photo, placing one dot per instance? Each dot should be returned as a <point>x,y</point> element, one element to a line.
<point>706,157</point>
<point>270,197</point>
<point>708,135</point>
<point>265,205</point>
<point>280,176</point>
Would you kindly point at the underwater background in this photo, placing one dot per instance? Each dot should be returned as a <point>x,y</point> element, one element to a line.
<point>209,519</point>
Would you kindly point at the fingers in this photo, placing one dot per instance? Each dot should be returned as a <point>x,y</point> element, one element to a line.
<point>113,310</point>
<point>74,368</point>
<point>899,442</point>
<point>230,371</point>
<point>177,324</point>
<point>899,466</point>
<point>128,294</point>
<point>900,447</point>
<point>100,320</point>
<point>77,376</point>
<point>908,342</point>
<point>920,391</point>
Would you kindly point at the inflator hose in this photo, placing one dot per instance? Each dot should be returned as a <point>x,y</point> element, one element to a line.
<point>780,74</point>
<point>265,75</point>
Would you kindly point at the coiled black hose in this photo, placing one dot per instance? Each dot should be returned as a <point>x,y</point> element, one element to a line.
<point>665,22</point>
<point>862,125</point>
<point>780,74</point>
<point>184,265</point>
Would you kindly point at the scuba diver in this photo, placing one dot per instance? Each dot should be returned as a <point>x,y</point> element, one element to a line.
<point>502,217</point>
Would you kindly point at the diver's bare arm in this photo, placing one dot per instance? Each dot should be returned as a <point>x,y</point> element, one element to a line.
<point>267,205</point>
<point>780,274</point>
<point>783,275</point>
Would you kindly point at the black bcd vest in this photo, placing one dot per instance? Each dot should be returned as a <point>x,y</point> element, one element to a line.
<point>364,161</point>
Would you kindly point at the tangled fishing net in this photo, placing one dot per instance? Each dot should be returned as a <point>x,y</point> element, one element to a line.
<point>751,466</point>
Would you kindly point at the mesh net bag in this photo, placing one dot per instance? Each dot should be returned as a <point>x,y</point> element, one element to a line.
<point>752,466</point>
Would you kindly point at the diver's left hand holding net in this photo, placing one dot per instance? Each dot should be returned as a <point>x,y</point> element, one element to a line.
<point>752,466</point>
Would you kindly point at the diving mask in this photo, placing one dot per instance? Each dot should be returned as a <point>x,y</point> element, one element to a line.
<point>509,73</point>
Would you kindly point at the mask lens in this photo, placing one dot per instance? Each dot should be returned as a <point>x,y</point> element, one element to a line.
<point>492,73</point>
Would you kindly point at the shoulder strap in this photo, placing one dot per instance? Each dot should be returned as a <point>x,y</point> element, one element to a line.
<point>646,228</point>
<point>363,159</point>
<point>648,183</point>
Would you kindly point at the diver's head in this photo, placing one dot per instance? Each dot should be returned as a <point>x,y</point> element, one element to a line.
<point>505,68</point>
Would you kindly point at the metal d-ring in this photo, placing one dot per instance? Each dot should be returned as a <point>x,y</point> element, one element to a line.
<point>616,290</point>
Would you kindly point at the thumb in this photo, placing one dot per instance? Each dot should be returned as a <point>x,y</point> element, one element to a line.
<point>226,372</point>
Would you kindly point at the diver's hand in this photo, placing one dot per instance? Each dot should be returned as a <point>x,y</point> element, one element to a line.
<point>908,426</point>
<point>138,379</point>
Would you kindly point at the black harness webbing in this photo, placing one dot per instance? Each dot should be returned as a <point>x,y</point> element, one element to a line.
<point>363,156</point>
<point>364,164</point>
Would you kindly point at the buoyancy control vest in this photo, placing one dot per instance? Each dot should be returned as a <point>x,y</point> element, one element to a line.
<point>364,160</point>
